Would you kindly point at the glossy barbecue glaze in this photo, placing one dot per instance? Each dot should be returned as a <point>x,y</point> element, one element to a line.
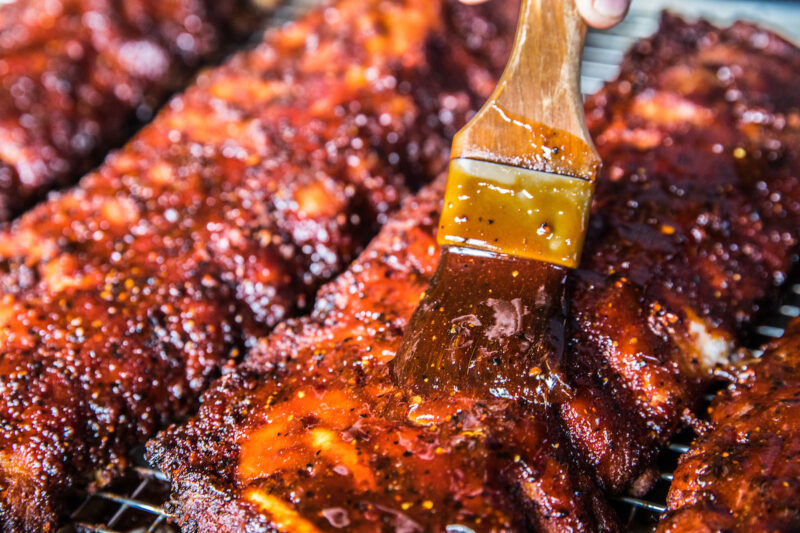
<point>123,297</point>
<point>76,76</point>
<point>321,437</point>
<point>481,325</point>
<point>695,222</point>
<point>742,474</point>
<point>694,225</point>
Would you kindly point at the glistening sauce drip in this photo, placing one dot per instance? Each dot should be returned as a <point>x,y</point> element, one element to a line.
<point>535,146</point>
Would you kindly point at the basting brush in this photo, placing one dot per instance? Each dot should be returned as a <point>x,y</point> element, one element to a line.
<point>515,215</point>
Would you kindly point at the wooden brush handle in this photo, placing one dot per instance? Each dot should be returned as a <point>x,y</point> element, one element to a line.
<point>537,105</point>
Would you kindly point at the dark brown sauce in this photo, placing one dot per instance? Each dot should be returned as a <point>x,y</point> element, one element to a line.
<point>489,325</point>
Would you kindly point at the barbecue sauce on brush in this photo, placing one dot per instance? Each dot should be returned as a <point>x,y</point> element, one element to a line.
<point>492,321</point>
<point>514,219</point>
<point>515,211</point>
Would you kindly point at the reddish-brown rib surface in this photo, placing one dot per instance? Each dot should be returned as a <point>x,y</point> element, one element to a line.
<point>310,433</point>
<point>743,473</point>
<point>77,75</point>
<point>123,297</point>
<point>695,223</point>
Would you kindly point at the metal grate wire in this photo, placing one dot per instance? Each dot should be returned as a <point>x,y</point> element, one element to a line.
<point>137,503</point>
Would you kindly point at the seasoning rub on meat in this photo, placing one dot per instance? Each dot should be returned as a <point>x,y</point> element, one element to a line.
<point>695,223</point>
<point>123,297</point>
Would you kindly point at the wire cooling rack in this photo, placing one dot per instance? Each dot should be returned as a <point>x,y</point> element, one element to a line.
<point>135,504</point>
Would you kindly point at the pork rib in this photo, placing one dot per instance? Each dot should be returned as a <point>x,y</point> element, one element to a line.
<point>123,297</point>
<point>742,474</point>
<point>695,220</point>
<point>310,433</point>
<point>694,227</point>
<point>77,75</point>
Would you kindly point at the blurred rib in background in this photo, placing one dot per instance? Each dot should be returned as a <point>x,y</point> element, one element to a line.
<point>77,77</point>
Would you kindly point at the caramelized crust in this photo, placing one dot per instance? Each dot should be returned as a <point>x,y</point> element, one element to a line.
<point>311,434</point>
<point>743,473</point>
<point>77,75</point>
<point>695,222</point>
<point>123,297</point>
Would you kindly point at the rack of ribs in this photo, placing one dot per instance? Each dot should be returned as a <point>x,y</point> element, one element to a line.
<point>694,225</point>
<point>123,297</point>
<point>76,76</point>
<point>742,473</point>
